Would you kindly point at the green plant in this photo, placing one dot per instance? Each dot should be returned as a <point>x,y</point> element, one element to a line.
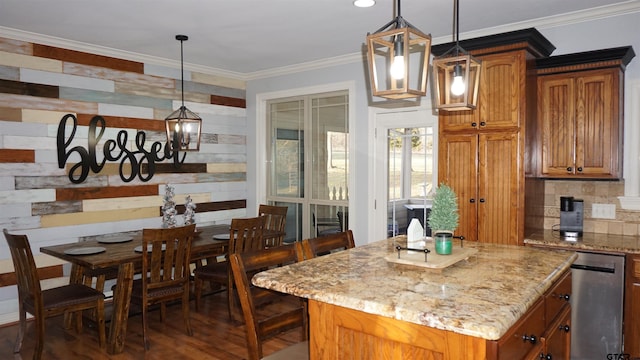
<point>444,209</point>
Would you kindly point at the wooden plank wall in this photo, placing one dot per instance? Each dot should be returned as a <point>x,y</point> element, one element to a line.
<point>39,84</point>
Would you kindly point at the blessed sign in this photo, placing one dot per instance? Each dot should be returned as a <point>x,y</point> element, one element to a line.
<point>113,150</point>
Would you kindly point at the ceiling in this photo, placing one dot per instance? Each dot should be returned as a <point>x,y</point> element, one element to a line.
<point>244,37</point>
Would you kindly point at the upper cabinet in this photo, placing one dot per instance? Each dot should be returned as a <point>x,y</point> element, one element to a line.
<point>499,97</point>
<point>580,117</point>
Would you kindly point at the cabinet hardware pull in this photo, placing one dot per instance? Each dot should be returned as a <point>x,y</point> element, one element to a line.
<point>580,169</point>
<point>569,169</point>
<point>473,124</point>
<point>482,123</point>
<point>566,328</point>
<point>543,356</point>
<point>565,297</point>
<point>472,200</point>
<point>532,339</point>
<point>481,200</point>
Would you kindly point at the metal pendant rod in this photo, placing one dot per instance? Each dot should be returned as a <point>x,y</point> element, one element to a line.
<point>182,38</point>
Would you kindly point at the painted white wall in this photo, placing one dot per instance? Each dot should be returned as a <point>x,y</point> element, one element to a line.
<point>598,33</point>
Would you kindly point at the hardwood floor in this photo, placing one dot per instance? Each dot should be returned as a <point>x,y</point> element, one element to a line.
<point>214,337</point>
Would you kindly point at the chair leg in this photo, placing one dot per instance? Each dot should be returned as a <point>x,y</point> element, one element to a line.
<point>21,330</point>
<point>39,322</point>
<point>102,337</point>
<point>198,290</point>
<point>78,316</point>
<point>163,311</point>
<point>185,311</point>
<point>144,327</point>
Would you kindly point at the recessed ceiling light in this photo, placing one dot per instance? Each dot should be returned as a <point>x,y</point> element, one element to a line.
<point>364,3</point>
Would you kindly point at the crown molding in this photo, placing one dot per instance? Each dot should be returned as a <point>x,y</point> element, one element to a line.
<point>628,7</point>
<point>111,52</point>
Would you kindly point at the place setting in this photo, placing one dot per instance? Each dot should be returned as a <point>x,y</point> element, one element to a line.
<point>85,250</point>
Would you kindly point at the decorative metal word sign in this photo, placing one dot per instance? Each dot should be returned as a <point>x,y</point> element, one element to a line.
<point>113,150</point>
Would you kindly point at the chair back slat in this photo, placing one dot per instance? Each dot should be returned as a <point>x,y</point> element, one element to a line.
<point>326,244</point>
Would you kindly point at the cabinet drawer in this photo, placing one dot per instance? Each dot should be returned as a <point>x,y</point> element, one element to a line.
<point>557,297</point>
<point>525,335</point>
<point>635,267</point>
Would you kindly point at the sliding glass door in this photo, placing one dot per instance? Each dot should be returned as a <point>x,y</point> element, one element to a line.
<point>309,167</point>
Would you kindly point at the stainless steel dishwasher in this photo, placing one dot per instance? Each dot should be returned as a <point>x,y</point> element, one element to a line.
<point>596,305</point>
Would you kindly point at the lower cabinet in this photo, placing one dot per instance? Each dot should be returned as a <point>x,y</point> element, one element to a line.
<point>341,333</point>
<point>632,307</point>
<point>544,332</point>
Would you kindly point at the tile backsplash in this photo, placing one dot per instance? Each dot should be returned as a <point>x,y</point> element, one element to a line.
<point>626,222</point>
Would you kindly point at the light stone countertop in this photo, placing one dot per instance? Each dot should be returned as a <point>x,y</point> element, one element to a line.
<point>588,242</point>
<point>482,296</point>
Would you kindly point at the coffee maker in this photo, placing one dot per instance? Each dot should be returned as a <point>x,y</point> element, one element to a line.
<point>571,212</point>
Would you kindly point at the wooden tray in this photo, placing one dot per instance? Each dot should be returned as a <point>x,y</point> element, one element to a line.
<point>434,261</point>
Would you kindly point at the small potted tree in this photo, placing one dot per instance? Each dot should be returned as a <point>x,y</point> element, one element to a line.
<point>443,218</point>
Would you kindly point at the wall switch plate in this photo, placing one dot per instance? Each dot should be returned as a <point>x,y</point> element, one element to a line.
<point>603,211</point>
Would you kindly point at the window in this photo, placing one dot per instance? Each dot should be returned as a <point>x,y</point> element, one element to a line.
<point>309,167</point>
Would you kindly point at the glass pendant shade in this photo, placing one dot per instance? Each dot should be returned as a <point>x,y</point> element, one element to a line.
<point>398,56</point>
<point>465,70</point>
<point>183,130</point>
<point>183,126</point>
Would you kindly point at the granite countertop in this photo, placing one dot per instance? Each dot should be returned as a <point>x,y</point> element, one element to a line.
<point>588,242</point>
<point>482,296</point>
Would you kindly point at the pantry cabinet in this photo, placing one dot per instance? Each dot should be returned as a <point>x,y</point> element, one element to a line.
<point>580,122</point>
<point>481,152</point>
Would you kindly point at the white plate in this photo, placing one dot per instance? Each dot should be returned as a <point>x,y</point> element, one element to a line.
<point>221,236</point>
<point>85,250</point>
<point>149,247</point>
<point>115,239</point>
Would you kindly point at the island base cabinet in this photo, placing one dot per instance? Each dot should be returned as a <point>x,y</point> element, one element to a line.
<point>340,333</point>
<point>632,307</point>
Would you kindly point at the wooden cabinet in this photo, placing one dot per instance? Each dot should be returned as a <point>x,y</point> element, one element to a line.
<point>500,94</point>
<point>544,332</point>
<point>483,170</point>
<point>580,106</point>
<point>580,124</point>
<point>482,151</point>
<point>632,306</point>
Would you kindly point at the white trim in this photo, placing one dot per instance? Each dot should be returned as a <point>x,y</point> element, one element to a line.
<point>601,12</point>
<point>631,198</point>
<point>377,147</point>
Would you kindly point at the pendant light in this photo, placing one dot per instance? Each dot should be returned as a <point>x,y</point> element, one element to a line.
<point>398,57</point>
<point>456,74</point>
<point>183,126</point>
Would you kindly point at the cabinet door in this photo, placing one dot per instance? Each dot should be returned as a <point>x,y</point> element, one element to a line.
<point>457,167</point>
<point>596,123</point>
<point>501,93</point>
<point>632,307</point>
<point>557,125</point>
<point>501,88</point>
<point>558,338</point>
<point>498,188</point>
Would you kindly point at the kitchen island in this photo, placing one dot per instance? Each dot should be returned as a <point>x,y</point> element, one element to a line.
<point>361,305</point>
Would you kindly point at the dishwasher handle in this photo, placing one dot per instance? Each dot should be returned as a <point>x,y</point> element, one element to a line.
<point>594,268</point>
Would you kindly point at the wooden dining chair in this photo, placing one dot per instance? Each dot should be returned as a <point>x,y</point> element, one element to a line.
<point>275,222</point>
<point>286,314</point>
<point>244,235</point>
<point>326,244</point>
<point>43,304</point>
<point>165,273</point>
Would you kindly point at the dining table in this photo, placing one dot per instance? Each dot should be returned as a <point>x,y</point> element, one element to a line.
<point>123,251</point>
